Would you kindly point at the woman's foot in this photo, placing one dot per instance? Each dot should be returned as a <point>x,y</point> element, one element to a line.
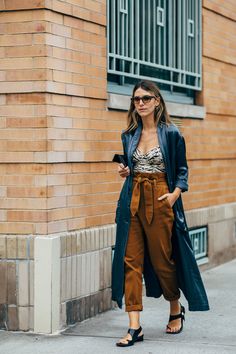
<point>133,335</point>
<point>176,318</point>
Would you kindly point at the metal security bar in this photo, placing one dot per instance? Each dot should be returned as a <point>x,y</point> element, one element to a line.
<point>199,241</point>
<point>155,39</point>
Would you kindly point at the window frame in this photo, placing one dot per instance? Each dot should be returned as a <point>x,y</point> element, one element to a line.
<point>170,95</point>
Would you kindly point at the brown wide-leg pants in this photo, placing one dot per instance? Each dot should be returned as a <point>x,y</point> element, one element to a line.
<point>151,219</point>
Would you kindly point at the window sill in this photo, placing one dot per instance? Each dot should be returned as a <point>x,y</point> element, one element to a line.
<point>181,110</point>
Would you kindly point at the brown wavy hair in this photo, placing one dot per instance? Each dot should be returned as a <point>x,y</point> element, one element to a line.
<point>160,114</point>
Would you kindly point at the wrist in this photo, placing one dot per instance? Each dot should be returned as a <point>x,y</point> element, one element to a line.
<point>177,192</point>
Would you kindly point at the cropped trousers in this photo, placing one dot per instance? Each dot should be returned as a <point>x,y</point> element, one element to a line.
<point>151,224</point>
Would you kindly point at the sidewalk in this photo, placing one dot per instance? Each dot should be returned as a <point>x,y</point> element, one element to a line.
<point>208,332</point>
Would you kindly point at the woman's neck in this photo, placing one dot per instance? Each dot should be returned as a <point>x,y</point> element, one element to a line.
<point>148,124</point>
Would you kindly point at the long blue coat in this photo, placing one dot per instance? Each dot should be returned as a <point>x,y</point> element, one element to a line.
<point>172,145</point>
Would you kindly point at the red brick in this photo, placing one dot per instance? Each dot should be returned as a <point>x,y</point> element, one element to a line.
<point>19,228</point>
<point>227,9</point>
<point>25,27</point>
<point>23,4</point>
<point>26,75</point>
<point>30,98</point>
<point>22,192</point>
<point>27,51</point>
<point>32,216</point>
<point>26,146</point>
<point>17,39</point>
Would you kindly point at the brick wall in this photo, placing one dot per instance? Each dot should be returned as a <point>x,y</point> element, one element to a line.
<point>211,143</point>
<point>56,143</point>
<point>56,134</point>
<point>54,116</point>
<point>57,139</point>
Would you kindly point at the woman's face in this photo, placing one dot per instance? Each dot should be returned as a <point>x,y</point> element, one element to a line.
<point>145,106</point>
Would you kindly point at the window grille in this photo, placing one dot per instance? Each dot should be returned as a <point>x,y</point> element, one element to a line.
<point>199,241</point>
<point>158,40</point>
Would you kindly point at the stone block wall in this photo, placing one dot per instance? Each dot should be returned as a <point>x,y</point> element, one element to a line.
<point>83,272</point>
<point>86,258</point>
<point>16,282</point>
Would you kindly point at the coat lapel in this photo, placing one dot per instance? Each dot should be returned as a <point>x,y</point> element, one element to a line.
<point>161,133</point>
<point>134,143</point>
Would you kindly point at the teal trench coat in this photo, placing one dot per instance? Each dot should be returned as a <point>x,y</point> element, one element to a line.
<point>172,145</point>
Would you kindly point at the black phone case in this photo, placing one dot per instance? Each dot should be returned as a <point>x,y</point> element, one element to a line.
<point>119,159</point>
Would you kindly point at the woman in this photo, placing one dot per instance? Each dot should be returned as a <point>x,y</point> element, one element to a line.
<point>152,237</point>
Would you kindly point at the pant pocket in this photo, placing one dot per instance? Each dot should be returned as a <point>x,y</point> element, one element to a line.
<point>168,203</point>
<point>160,191</point>
<point>163,205</point>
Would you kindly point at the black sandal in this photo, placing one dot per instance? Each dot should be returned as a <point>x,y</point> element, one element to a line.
<point>175,317</point>
<point>135,337</point>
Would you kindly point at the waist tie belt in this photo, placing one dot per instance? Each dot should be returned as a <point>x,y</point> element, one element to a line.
<point>148,195</point>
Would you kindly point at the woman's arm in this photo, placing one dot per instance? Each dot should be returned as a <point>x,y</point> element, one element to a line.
<point>181,180</point>
<point>177,192</point>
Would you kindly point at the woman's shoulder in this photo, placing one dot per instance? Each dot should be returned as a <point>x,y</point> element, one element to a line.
<point>125,134</point>
<point>128,132</point>
<point>125,137</point>
<point>172,129</point>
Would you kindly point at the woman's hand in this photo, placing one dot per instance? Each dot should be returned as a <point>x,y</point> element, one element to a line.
<point>123,171</point>
<point>171,197</point>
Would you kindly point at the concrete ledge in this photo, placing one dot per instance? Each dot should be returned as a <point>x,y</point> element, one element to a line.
<point>213,214</point>
<point>47,285</point>
<point>221,223</point>
<point>122,102</point>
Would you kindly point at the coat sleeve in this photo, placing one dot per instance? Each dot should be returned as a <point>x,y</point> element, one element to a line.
<point>125,158</point>
<point>124,148</point>
<point>181,165</point>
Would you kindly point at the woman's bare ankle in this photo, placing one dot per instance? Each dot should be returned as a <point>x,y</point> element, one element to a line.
<point>134,319</point>
<point>134,325</point>
<point>175,307</point>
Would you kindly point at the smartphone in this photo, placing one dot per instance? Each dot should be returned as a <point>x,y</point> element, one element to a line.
<point>119,159</point>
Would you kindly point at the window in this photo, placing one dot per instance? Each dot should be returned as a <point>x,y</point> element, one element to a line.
<point>199,242</point>
<point>158,40</point>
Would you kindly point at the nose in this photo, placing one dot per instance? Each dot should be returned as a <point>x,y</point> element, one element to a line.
<point>141,102</point>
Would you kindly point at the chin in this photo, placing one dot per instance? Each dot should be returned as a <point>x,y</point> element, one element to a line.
<point>144,114</point>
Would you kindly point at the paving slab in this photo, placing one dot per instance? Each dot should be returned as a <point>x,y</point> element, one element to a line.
<point>210,332</point>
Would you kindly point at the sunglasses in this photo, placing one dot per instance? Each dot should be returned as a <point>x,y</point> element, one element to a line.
<point>145,99</point>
